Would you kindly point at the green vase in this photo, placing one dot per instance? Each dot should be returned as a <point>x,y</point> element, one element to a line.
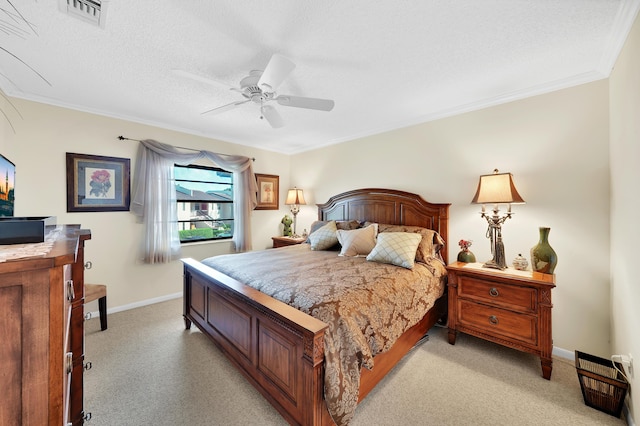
<point>543,258</point>
<point>466,256</point>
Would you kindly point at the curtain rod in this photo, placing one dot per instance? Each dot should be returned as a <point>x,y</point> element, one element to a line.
<point>122,138</point>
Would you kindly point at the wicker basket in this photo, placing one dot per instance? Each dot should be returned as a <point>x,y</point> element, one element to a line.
<point>603,387</point>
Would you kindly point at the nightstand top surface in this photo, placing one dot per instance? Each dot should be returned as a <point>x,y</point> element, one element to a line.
<point>511,273</point>
<point>286,238</point>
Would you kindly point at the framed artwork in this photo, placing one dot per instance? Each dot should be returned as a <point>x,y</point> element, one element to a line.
<point>97,184</point>
<point>268,194</point>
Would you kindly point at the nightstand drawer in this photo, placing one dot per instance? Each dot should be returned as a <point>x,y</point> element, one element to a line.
<point>494,293</point>
<point>496,321</point>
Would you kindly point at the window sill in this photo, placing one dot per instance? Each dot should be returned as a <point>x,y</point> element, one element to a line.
<point>199,243</point>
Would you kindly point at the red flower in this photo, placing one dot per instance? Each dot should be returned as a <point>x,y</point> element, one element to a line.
<point>465,244</point>
<point>100,176</point>
<point>100,183</point>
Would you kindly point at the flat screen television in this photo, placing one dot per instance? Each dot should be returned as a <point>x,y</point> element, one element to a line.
<point>7,186</point>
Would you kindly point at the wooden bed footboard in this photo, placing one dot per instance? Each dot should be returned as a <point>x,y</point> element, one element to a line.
<point>278,348</point>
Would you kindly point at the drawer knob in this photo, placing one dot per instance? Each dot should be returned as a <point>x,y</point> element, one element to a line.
<point>494,292</point>
<point>69,362</point>
<point>493,320</point>
<point>70,293</point>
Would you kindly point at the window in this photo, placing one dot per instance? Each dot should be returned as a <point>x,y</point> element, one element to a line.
<point>204,202</point>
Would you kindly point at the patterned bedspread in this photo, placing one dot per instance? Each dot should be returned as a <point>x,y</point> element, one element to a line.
<point>367,305</point>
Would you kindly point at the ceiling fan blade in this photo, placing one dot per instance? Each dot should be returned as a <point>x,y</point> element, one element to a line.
<point>272,116</point>
<point>224,108</point>
<point>276,71</point>
<point>310,103</point>
<point>202,79</point>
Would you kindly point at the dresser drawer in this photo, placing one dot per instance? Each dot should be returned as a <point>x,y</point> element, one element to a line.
<point>498,322</point>
<point>497,294</point>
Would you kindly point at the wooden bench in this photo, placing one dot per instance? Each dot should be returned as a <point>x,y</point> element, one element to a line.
<point>97,291</point>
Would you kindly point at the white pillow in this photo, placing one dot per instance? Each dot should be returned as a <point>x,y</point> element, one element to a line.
<point>357,242</point>
<point>324,237</point>
<point>396,248</point>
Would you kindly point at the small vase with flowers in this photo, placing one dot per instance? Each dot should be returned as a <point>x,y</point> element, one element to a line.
<point>465,254</point>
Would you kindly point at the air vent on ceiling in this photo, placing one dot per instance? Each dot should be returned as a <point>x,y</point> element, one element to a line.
<point>93,11</point>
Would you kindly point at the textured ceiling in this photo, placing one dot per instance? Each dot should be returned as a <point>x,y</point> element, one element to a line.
<point>387,64</point>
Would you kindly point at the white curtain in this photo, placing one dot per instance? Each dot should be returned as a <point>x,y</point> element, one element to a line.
<point>154,197</point>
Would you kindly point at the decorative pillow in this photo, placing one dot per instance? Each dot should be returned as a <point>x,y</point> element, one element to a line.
<point>340,224</point>
<point>358,241</point>
<point>317,225</point>
<point>396,248</point>
<point>324,237</point>
<point>430,245</point>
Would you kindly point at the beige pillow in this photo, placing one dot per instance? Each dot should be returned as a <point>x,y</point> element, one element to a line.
<point>340,224</point>
<point>396,248</point>
<point>324,237</point>
<point>430,245</point>
<point>357,242</point>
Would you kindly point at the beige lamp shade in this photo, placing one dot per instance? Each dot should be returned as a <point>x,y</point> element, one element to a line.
<point>497,188</point>
<point>295,196</point>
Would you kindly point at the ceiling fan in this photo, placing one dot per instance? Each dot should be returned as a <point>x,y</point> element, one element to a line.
<point>260,87</point>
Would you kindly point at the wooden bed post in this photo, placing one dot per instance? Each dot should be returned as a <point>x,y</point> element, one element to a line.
<point>313,380</point>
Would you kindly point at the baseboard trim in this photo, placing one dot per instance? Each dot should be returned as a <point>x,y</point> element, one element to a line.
<point>627,415</point>
<point>563,353</point>
<point>146,302</point>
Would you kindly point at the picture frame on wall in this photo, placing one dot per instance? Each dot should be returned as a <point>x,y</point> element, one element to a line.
<point>268,192</point>
<point>96,183</point>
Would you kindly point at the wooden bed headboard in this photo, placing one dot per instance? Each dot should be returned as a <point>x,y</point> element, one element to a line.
<point>388,206</point>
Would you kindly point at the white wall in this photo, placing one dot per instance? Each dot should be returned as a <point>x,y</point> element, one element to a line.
<point>38,149</point>
<point>556,146</point>
<point>625,205</point>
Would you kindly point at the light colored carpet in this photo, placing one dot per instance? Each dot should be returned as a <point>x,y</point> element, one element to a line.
<point>148,370</point>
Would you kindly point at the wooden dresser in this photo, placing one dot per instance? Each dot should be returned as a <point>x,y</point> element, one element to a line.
<point>42,333</point>
<point>512,308</point>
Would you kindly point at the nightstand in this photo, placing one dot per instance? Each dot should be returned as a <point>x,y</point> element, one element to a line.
<point>287,241</point>
<point>511,308</point>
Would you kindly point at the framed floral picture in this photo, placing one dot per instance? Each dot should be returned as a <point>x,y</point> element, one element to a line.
<point>268,194</point>
<point>97,184</point>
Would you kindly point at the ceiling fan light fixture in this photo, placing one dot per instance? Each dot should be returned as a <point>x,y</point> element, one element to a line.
<point>259,87</point>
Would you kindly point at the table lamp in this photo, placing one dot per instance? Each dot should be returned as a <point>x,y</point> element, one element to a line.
<point>295,198</point>
<point>497,188</point>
